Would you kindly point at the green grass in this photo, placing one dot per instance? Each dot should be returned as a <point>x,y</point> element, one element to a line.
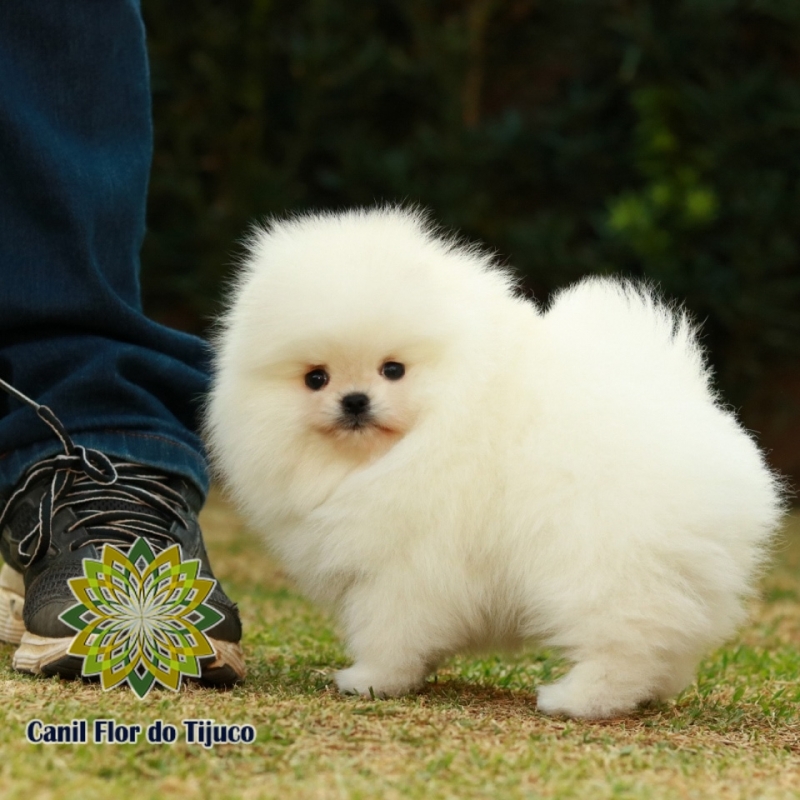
<point>473,733</point>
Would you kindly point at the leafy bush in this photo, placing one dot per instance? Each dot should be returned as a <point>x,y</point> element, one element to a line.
<point>655,138</point>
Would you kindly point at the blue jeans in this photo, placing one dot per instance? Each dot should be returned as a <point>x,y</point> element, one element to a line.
<point>75,154</point>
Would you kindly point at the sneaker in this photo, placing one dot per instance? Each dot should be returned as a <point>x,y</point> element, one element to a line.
<point>63,510</point>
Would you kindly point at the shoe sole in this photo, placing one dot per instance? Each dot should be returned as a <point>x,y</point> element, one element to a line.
<point>39,655</point>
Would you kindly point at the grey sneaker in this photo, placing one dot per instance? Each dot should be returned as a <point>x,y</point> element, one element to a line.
<point>63,510</point>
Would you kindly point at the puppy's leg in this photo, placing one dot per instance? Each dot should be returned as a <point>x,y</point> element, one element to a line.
<point>395,637</point>
<point>681,671</point>
<point>600,687</point>
<point>610,685</point>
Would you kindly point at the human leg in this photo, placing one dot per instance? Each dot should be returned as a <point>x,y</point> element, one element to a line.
<point>75,151</point>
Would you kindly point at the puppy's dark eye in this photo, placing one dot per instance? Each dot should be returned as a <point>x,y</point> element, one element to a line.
<point>393,370</point>
<point>316,378</point>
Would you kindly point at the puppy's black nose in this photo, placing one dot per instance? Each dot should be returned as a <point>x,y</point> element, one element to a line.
<point>355,403</point>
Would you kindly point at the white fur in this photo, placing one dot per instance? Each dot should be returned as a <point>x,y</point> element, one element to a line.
<point>565,476</point>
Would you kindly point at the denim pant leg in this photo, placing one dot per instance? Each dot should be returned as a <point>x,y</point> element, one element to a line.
<point>75,153</point>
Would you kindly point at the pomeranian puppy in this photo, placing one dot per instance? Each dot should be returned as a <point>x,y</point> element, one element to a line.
<point>451,468</point>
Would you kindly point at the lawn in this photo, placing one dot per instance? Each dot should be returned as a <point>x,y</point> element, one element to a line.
<point>472,733</point>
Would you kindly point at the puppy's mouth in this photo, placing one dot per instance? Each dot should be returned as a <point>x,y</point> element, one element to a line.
<point>344,427</point>
<point>359,422</point>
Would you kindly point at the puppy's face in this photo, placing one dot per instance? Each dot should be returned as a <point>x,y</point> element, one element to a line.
<point>349,333</point>
<point>363,404</point>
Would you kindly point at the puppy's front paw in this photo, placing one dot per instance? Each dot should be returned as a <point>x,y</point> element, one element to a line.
<point>373,683</point>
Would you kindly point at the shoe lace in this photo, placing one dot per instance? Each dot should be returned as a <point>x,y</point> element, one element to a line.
<point>113,502</point>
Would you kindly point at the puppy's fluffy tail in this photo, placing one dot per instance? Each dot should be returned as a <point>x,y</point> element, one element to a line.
<point>631,319</point>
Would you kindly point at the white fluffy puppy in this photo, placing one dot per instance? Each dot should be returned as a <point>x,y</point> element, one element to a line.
<point>451,468</point>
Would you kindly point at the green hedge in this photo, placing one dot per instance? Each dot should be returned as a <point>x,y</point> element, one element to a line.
<point>657,139</point>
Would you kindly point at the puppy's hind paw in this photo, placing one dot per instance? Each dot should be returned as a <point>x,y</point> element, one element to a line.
<point>370,683</point>
<point>556,701</point>
<point>588,692</point>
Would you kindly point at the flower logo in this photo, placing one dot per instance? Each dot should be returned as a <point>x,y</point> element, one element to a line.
<point>140,617</point>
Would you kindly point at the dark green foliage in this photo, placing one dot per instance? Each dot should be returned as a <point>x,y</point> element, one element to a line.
<point>657,139</point>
